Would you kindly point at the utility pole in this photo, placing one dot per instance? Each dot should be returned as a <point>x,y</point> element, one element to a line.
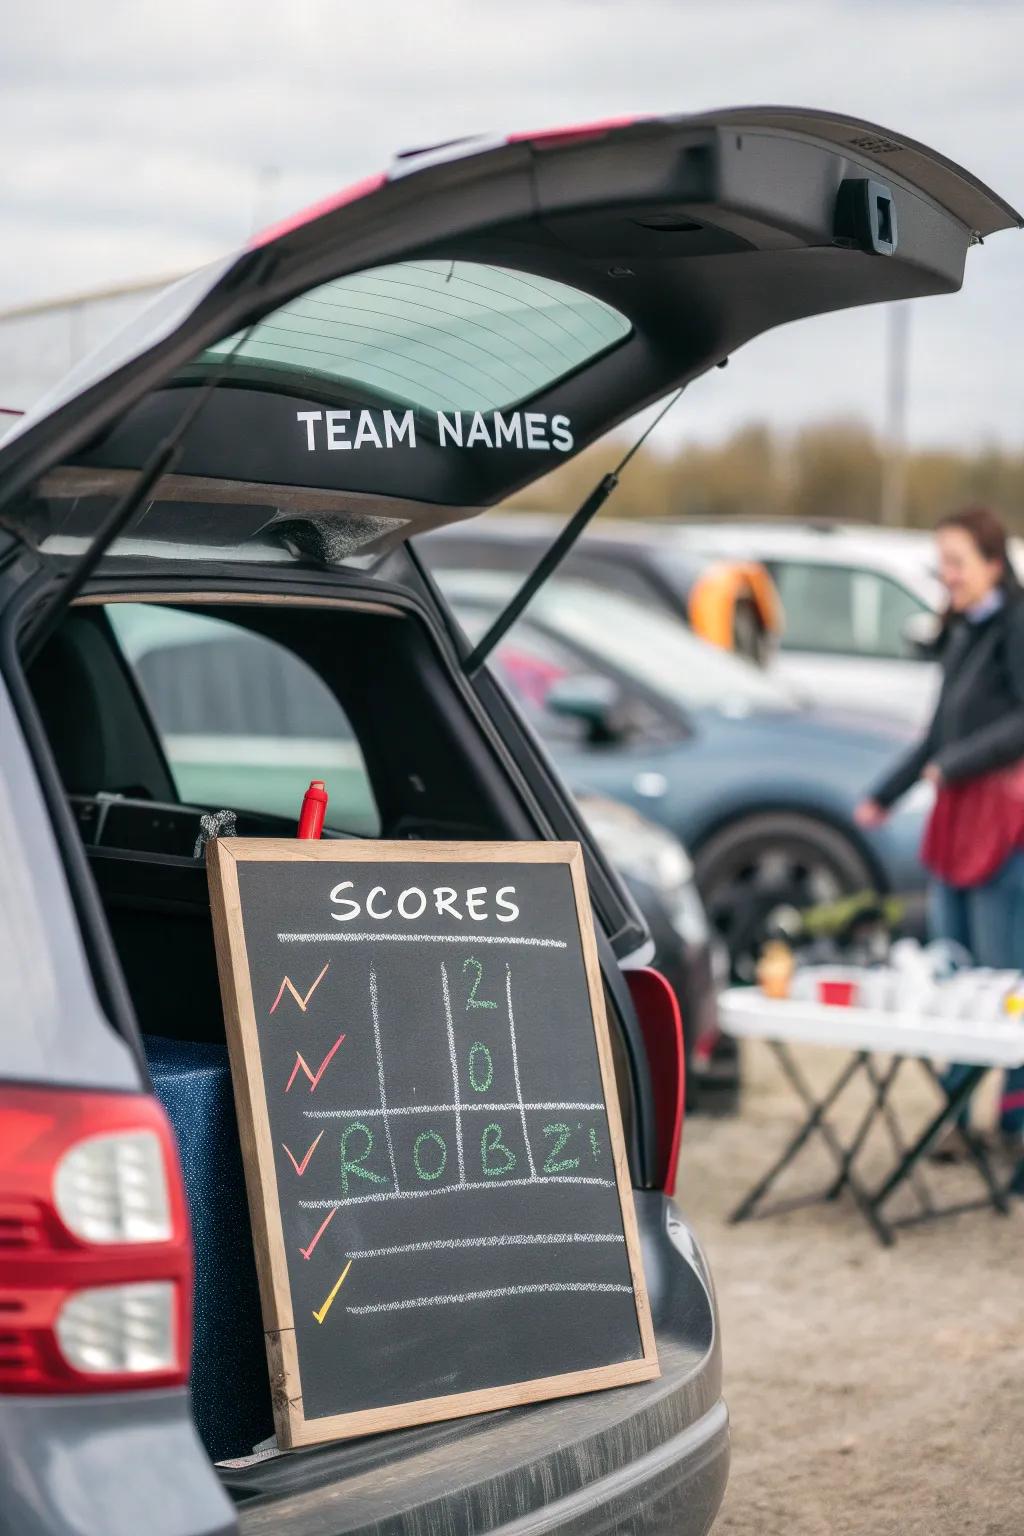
<point>893,507</point>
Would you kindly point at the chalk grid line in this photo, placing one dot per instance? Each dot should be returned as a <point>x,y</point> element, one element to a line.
<point>505,1240</point>
<point>419,938</point>
<point>489,1295</point>
<point>484,1106</point>
<point>455,1070</point>
<point>375,1014</point>
<point>515,1070</point>
<point>455,1189</point>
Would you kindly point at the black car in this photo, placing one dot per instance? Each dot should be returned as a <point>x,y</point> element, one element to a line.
<point>259,447</point>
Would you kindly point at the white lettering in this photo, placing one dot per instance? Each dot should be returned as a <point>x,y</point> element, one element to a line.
<point>309,417</point>
<point>413,890</point>
<point>446,428</point>
<point>536,422</point>
<point>336,429</point>
<point>501,900</point>
<point>336,897</point>
<point>366,432</point>
<point>444,897</point>
<point>562,433</point>
<point>478,431</point>
<point>395,431</point>
<point>473,901</point>
<point>371,910</point>
<point>508,431</point>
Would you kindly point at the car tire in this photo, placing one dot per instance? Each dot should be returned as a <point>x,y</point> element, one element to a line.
<point>754,866</point>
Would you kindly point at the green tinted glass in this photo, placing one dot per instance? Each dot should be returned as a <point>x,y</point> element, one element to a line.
<point>433,335</point>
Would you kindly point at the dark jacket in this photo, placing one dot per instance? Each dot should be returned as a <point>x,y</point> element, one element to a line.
<point>978,724</point>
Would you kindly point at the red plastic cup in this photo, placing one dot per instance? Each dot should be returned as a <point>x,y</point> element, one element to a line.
<point>838,994</point>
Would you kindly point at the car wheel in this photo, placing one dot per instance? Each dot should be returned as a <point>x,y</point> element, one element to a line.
<point>751,869</point>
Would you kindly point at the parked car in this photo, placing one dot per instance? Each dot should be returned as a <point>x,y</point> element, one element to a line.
<point>760,786</point>
<point>854,597</point>
<point>728,601</point>
<point>260,446</point>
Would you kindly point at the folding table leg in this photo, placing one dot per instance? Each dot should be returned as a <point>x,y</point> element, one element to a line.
<point>955,1099</point>
<point>813,1123</point>
<point>879,1105</point>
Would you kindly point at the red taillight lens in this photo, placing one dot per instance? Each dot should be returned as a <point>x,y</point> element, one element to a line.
<point>657,1009</point>
<point>95,1252</point>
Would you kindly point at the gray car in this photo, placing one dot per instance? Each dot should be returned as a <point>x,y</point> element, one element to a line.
<point>260,446</point>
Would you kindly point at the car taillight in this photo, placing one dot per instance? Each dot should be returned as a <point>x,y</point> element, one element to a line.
<point>657,1010</point>
<point>95,1251</point>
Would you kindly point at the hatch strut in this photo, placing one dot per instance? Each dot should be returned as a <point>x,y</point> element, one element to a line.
<point>160,462</point>
<point>554,556</point>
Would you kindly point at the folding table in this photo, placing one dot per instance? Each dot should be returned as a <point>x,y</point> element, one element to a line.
<point>867,1034</point>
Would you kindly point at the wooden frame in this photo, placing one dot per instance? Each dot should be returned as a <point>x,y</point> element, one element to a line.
<point>293,1428</point>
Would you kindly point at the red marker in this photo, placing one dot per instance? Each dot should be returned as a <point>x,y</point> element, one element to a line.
<point>314,808</point>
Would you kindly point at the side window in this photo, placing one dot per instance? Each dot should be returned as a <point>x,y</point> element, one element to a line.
<point>244,722</point>
<point>843,610</point>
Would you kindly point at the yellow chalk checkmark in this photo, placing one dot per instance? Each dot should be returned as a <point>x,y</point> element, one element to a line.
<point>337,1287</point>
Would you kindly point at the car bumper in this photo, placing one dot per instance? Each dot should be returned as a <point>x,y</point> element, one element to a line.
<point>651,1458</point>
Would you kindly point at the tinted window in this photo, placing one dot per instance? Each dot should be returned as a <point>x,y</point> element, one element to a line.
<point>843,610</point>
<point>439,335</point>
<point>244,722</point>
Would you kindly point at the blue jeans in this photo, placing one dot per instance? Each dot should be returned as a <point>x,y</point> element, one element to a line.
<point>988,920</point>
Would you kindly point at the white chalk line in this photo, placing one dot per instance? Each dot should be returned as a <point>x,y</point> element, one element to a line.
<point>375,1014</point>
<point>455,1189</point>
<point>490,1295</point>
<point>418,938</point>
<point>455,1070</point>
<point>506,1240</point>
<point>478,1106</point>
<point>515,1070</point>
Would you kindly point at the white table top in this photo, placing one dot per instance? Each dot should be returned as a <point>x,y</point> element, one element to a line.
<point>745,1011</point>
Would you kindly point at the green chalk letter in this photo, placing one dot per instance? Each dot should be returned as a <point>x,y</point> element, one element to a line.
<point>492,1144</point>
<point>352,1164</point>
<point>480,1080</point>
<point>429,1173</point>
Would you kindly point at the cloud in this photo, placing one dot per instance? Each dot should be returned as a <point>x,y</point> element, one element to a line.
<point>143,137</point>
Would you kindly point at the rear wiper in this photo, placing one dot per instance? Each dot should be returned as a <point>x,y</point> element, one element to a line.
<point>160,462</point>
<point>553,557</point>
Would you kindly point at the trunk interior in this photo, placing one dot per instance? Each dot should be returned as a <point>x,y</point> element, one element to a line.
<point>157,712</point>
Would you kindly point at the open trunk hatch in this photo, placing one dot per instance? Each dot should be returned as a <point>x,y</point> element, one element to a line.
<point>432,340</point>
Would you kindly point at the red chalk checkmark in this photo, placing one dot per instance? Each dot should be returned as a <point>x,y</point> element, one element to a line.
<point>302,998</point>
<point>300,1168</point>
<point>314,1077</point>
<point>321,1229</point>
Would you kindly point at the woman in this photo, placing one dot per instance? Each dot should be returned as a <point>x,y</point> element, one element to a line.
<point>973,752</point>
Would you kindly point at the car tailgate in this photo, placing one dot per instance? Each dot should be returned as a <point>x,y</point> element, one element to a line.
<point>652,1456</point>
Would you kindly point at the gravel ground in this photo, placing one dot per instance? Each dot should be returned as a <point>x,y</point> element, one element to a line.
<point>872,1391</point>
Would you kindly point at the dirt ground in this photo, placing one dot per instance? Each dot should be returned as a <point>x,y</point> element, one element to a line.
<point>872,1391</point>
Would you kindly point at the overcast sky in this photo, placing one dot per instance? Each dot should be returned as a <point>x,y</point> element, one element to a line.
<point>145,138</point>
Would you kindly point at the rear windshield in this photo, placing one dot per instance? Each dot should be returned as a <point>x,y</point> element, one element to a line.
<point>430,335</point>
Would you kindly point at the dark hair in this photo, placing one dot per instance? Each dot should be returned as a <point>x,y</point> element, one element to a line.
<point>988,535</point>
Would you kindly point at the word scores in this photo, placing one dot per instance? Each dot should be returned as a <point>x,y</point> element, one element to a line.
<point>437,1177</point>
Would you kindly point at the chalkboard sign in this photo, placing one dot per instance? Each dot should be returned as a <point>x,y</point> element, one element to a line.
<point>437,1178</point>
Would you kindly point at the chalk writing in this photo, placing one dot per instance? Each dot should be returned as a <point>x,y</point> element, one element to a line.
<point>480,1079</point>
<point>492,1146</point>
<point>301,998</point>
<point>477,971</point>
<point>323,1311</point>
<point>418,1153</point>
<point>553,1163</point>
<point>353,1165</point>
<point>314,1077</point>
